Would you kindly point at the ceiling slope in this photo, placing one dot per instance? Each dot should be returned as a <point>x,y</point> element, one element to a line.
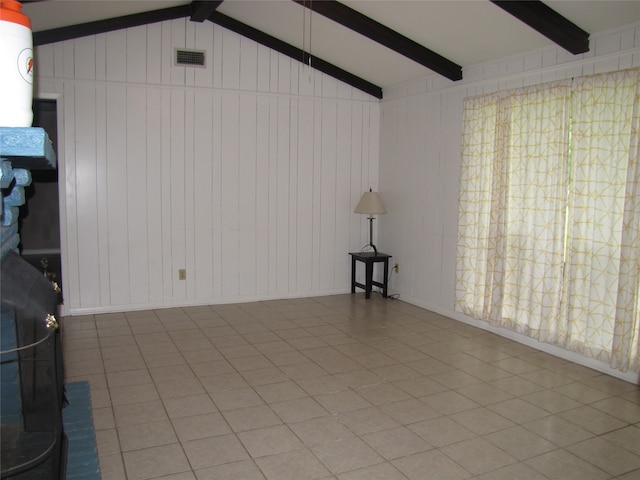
<point>384,42</point>
<point>384,35</point>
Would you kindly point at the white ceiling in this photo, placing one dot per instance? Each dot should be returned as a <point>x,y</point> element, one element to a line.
<point>464,31</point>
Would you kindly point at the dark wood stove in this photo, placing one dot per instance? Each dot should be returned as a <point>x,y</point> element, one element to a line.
<point>33,443</point>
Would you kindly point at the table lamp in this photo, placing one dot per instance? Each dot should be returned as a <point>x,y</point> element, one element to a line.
<point>370,204</point>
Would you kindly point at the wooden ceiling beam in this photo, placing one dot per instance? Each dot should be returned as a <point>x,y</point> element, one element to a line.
<point>549,23</point>
<point>384,35</point>
<point>200,10</point>
<point>295,53</point>
<point>109,25</point>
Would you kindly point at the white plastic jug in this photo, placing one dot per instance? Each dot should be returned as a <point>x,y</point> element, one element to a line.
<point>16,66</point>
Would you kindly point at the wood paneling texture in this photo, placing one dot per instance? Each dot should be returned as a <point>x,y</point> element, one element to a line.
<point>245,172</point>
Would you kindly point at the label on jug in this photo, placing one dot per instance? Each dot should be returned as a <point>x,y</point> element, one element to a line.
<point>25,65</point>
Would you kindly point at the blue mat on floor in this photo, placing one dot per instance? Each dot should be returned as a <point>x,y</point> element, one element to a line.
<point>82,453</point>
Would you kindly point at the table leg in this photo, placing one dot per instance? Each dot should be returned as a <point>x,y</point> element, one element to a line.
<point>386,277</point>
<point>353,275</point>
<point>369,275</point>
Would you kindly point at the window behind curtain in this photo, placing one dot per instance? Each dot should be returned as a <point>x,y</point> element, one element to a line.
<point>548,241</point>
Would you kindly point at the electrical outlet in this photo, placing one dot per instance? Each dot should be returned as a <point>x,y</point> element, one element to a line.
<point>396,267</point>
<point>182,274</point>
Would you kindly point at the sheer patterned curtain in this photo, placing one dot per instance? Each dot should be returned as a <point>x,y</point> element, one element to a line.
<point>549,223</point>
<point>600,300</point>
<point>512,208</point>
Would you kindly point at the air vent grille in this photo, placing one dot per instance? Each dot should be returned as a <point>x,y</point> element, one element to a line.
<point>190,58</point>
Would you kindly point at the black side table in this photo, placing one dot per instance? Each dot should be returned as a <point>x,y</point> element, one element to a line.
<point>369,258</point>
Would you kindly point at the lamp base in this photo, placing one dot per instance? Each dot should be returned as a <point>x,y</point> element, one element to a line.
<point>375,250</point>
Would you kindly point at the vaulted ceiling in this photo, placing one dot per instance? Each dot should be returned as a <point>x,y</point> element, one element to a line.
<point>367,43</point>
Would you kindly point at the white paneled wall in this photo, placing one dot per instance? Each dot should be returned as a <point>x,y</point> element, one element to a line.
<point>421,133</point>
<point>245,173</point>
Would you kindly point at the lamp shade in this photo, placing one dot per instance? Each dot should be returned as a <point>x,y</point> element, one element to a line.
<point>370,203</point>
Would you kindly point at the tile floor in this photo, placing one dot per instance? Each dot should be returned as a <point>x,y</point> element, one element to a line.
<point>341,388</point>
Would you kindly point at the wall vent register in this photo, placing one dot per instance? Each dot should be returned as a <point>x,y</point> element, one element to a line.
<point>190,58</point>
